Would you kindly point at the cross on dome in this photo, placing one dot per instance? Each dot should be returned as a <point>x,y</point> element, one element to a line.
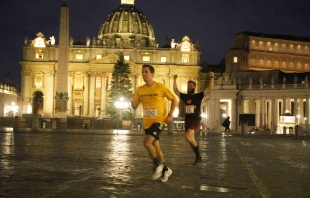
<point>130,2</point>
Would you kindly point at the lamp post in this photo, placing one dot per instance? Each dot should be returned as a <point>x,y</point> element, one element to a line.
<point>121,104</point>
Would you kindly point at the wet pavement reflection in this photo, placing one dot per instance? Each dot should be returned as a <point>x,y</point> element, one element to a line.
<point>69,164</point>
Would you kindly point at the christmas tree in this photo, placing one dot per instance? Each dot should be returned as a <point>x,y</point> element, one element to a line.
<point>120,88</point>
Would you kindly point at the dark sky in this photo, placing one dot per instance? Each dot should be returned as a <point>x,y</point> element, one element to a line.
<point>211,22</point>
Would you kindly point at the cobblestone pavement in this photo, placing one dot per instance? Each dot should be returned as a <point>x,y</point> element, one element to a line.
<point>46,164</point>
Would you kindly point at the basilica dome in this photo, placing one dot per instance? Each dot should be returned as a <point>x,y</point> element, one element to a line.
<point>127,27</point>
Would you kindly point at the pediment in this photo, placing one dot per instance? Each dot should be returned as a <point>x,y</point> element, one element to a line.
<point>109,59</point>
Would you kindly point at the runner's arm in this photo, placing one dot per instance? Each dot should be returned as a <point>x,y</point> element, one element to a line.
<point>175,86</point>
<point>132,101</point>
<point>211,85</point>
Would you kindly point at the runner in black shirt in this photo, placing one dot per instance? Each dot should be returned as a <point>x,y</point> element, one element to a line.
<point>192,102</point>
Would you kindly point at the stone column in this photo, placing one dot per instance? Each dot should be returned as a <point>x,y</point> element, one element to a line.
<point>275,115</point>
<point>288,105</point>
<point>262,113</point>
<point>91,99</point>
<point>257,113</point>
<point>234,118</point>
<point>211,114</point>
<point>28,83</point>
<point>70,102</point>
<point>269,116</point>
<point>49,94</point>
<point>284,106</point>
<point>251,106</point>
<point>307,113</point>
<point>85,102</point>
<point>295,107</point>
<point>61,98</point>
<point>103,106</point>
<point>301,111</point>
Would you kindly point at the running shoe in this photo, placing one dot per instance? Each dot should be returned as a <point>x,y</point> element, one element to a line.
<point>158,172</point>
<point>165,175</point>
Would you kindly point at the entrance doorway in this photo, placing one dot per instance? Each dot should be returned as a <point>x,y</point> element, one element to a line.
<point>37,103</point>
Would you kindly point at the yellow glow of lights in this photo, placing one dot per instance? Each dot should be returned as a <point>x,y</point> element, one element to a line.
<point>183,88</point>
<point>146,58</point>
<point>129,2</point>
<point>121,104</point>
<point>29,108</point>
<point>126,57</point>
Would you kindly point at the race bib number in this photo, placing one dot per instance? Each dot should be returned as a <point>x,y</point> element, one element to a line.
<point>189,109</point>
<point>150,112</point>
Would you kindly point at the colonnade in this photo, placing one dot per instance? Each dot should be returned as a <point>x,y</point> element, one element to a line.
<point>267,110</point>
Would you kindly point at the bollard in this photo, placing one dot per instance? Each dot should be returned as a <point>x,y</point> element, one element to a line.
<point>284,130</point>
<point>297,131</point>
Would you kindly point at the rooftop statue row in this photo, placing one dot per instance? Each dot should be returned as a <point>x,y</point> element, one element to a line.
<point>229,79</point>
<point>186,45</point>
<point>7,88</point>
<point>40,41</point>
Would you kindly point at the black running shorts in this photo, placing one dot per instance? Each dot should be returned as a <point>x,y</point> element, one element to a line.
<point>154,130</point>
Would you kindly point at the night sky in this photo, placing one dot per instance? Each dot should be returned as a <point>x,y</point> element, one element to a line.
<point>211,22</point>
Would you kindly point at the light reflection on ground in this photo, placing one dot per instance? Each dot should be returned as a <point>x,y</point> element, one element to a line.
<point>213,188</point>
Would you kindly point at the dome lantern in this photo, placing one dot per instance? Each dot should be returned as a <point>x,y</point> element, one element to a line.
<point>128,2</point>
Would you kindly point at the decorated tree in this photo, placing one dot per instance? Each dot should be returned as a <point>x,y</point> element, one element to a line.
<point>120,89</point>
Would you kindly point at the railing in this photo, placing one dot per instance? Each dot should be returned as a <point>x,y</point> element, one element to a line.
<point>78,123</point>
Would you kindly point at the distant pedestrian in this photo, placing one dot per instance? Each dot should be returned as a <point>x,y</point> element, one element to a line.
<point>192,102</point>
<point>226,124</point>
<point>152,96</point>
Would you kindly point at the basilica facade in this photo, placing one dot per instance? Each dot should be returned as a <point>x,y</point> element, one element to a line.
<point>88,64</point>
<point>68,77</point>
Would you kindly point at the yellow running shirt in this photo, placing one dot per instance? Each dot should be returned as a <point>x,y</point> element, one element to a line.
<point>153,102</point>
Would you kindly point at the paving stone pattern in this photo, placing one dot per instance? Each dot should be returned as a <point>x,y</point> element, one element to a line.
<point>47,164</point>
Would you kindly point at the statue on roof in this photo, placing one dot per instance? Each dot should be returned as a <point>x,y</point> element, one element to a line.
<point>87,41</point>
<point>26,41</point>
<point>173,44</point>
<point>52,40</point>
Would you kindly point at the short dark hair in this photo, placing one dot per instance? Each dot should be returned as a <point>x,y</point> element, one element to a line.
<point>152,70</point>
<point>190,81</point>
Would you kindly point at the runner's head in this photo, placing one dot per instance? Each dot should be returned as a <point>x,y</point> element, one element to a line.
<point>148,73</point>
<point>191,86</point>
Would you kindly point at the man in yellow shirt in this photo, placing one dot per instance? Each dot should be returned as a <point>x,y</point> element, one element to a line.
<point>152,96</point>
